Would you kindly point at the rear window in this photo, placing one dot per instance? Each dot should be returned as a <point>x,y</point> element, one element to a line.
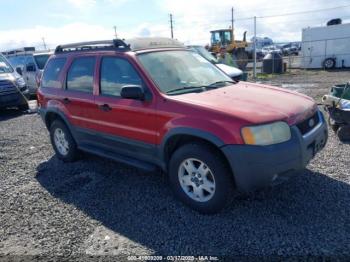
<point>81,75</point>
<point>5,66</point>
<point>52,72</point>
<point>41,60</point>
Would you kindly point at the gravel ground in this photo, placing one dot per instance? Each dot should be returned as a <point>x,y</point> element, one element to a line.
<point>99,207</point>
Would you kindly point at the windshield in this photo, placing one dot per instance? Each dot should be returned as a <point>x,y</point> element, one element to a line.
<point>181,70</point>
<point>41,60</point>
<point>5,67</point>
<point>204,52</point>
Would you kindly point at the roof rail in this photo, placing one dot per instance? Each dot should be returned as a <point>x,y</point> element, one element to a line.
<point>92,45</point>
<point>19,51</point>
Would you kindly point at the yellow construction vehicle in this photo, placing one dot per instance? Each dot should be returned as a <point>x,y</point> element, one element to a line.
<point>223,40</point>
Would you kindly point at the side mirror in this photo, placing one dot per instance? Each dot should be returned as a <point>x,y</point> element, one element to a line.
<point>19,70</point>
<point>133,92</point>
<point>30,67</point>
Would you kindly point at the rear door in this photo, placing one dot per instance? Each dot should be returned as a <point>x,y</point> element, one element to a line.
<point>30,70</point>
<point>78,95</point>
<point>124,125</point>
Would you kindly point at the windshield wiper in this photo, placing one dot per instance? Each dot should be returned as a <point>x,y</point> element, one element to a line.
<point>186,88</point>
<point>202,87</point>
<point>221,82</point>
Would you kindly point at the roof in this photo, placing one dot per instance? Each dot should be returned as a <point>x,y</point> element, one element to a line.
<point>134,44</point>
<point>143,43</point>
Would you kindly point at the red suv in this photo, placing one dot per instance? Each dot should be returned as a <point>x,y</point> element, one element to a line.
<point>150,102</point>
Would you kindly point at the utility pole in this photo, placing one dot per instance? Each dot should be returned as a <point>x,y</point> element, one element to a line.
<point>115,32</point>
<point>254,70</point>
<point>171,26</point>
<point>44,43</point>
<point>232,24</point>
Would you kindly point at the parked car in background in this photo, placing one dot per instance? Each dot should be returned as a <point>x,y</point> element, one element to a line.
<point>271,49</point>
<point>153,103</point>
<point>235,73</point>
<point>28,63</point>
<point>13,89</point>
<point>290,49</point>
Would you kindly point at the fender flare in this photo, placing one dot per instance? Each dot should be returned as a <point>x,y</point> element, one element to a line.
<point>192,132</point>
<point>45,112</point>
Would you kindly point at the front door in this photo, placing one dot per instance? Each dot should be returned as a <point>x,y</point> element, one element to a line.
<point>125,126</point>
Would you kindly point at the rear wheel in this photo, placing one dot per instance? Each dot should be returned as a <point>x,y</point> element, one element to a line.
<point>329,63</point>
<point>63,142</point>
<point>333,124</point>
<point>241,58</point>
<point>344,133</point>
<point>200,178</point>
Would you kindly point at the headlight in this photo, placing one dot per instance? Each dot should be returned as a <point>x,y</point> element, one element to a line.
<point>20,82</point>
<point>268,134</point>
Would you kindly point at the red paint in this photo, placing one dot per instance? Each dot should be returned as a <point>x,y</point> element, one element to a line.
<point>221,112</point>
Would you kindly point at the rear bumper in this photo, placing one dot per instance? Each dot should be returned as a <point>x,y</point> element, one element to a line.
<point>258,166</point>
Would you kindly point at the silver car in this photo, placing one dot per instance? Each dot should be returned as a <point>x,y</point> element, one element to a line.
<point>13,90</point>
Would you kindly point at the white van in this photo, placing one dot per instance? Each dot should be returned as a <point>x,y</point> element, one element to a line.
<point>326,47</point>
<point>28,63</point>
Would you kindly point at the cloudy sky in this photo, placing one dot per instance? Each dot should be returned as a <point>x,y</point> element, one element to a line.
<point>25,23</point>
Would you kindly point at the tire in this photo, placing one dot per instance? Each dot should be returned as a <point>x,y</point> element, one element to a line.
<point>64,144</point>
<point>333,125</point>
<point>329,63</point>
<point>344,133</point>
<point>23,107</point>
<point>241,58</point>
<point>217,172</point>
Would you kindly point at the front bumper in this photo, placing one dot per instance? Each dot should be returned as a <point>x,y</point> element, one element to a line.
<point>14,98</point>
<point>258,166</point>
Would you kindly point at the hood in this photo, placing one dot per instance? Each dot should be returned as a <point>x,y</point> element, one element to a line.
<point>230,70</point>
<point>254,103</point>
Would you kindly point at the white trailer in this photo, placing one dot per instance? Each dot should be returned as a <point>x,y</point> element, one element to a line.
<point>326,47</point>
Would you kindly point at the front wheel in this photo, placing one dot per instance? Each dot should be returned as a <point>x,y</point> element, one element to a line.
<point>200,178</point>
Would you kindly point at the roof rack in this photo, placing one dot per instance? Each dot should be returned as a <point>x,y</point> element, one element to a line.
<point>19,51</point>
<point>93,45</point>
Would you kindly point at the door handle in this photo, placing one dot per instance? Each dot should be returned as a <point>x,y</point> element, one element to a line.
<point>105,107</point>
<point>66,101</point>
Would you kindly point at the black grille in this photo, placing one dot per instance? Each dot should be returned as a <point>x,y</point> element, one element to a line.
<point>307,125</point>
<point>7,87</point>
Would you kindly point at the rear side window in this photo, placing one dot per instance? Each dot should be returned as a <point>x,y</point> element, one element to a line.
<point>116,73</point>
<point>41,60</point>
<point>81,75</point>
<point>52,72</point>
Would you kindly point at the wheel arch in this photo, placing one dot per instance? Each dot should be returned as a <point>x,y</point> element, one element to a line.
<point>52,115</point>
<point>178,137</point>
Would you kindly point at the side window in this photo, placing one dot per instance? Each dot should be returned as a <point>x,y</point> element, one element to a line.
<point>116,73</point>
<point>52,72</point>
<point>80,76</point>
